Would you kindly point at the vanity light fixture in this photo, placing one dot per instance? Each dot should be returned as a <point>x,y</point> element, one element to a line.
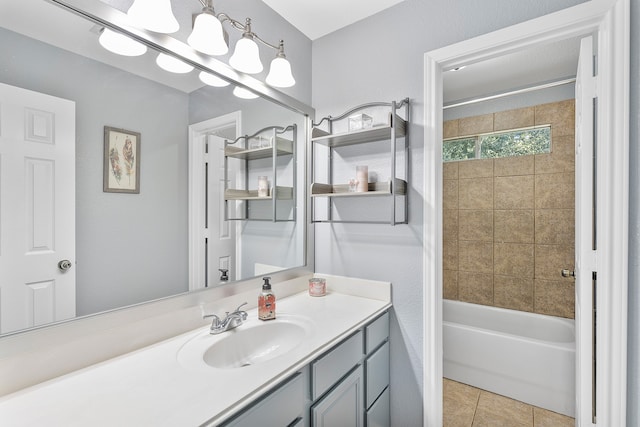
<point>246,55</point>
<point>243,93</point>
<point>121,44</point>
<point>173,65</point>
<point>153,15</point>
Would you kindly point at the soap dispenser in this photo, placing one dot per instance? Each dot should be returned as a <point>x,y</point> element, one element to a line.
<point>266,301</point>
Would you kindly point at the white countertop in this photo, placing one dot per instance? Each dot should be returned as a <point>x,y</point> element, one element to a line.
<point>150,386</point>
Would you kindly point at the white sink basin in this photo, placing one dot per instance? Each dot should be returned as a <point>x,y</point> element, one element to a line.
<point>250,344</point>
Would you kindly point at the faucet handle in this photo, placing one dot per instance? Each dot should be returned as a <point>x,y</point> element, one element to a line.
<point>216,320</point>
<point>241,305</point>
<point>242,313</point>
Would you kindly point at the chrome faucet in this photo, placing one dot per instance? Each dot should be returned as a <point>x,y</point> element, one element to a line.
<point>231,320</point>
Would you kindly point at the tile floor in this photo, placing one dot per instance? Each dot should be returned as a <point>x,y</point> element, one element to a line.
<point>466,406</point>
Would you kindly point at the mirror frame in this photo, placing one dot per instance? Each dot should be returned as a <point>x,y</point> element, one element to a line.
<point>118,331</point>
<point>610,20</point>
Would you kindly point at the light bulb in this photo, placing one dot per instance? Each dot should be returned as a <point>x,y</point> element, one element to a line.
<point>121,44</point>
<point>246,57</point>
<point>207,35</point>
<point>211,80</point>
<point>173,65</point>
<point>280,73</point>
<point>243,93</point>
<point>154,15</point>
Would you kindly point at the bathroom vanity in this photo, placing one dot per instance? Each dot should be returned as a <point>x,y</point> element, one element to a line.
<point>324,361</point>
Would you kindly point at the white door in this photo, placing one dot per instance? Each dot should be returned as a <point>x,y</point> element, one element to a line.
<point>221,247</point>
<point>37,208</point>
<point>585,244</point>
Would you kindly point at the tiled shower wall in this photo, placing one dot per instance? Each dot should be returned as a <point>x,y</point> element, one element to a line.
<point>508,224</point>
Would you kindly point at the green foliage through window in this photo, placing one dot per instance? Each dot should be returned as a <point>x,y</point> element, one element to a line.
<point>503,144</point>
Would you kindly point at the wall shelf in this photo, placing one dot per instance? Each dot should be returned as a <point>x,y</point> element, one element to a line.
<point>375,189</point>
<point>391,128</point>
<point>269,143</point>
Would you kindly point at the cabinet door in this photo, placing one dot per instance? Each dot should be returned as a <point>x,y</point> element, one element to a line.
<point>342,406</point>
<point>377,369</point>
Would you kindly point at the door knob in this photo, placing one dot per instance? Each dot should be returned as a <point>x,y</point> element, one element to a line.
<point>568,273</point>
<point>64,265</point>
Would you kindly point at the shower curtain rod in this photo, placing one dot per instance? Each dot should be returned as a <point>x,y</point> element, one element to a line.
<point>512,92</point>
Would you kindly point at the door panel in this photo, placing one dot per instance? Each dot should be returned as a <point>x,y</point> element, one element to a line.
<point>37,208</point>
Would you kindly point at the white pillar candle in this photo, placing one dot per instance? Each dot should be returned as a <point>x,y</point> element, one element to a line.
<point>362,175</point>
<point>263,186</point>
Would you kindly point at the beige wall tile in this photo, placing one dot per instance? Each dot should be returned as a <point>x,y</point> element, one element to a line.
<point>555,297</point>
<point>475,257</point>
<point>459,403</point>
<point>450,129</point>
<point>450,255</point>
<point>513,226</point>
<point>475,193</point>
<point>450,194</point>
<point>514,119</point>
<point>475,288</point>
<point>476,225</point>
<point>519,165</point>
<point>550,260</point>
<point>450,224</point>
<point>494,411</point>
<point>482,168</point>
<point>450,284</point>
<point>560,115</point>
<point>514,192</point>
<point>513,259</point>
<point>450,170</point>
<point>561,158</point>
<point>544,418</point>
<point>555,191</point>
<point>515,293</point>
<point>555,227</point>
<point>475,125</point>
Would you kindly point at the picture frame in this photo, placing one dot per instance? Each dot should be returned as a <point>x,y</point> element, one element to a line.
<point>121,167</point>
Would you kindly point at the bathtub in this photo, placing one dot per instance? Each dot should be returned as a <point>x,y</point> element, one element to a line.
<point>525,356</point>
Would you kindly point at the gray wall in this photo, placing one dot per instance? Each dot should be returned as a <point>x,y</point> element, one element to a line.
<point>129,248</point>
<point>633,386</point>
<point>381,58</point>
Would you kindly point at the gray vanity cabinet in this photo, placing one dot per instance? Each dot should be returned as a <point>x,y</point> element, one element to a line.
<point>346,386</point>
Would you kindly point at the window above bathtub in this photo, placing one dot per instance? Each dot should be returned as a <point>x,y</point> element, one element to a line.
<point>515,142</point>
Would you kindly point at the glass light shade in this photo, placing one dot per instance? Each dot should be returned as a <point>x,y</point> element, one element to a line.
<point>121,44</point>
<point>207,35</point>
<point>173,65</point>
<point>211,80</point>
<point>154,15</point>
<point>246,57</point>
<point>243,93</point>
<point>280,73</point>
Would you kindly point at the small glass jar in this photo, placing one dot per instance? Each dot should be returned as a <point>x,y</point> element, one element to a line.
<point>317,287</point>
<point>263,186</point>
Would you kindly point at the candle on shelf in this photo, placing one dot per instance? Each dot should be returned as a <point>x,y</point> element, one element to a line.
<point>362,175</point>
<point>263,186</point>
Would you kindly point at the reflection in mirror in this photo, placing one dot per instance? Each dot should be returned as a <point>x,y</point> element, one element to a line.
<point>59,89</point>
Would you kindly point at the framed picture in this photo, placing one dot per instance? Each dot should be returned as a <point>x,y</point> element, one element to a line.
<point>121,161</point>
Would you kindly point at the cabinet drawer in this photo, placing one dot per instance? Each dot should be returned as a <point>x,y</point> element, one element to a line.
<point>377,332</point>
<point>379,414</point>
<point>377,373</point>
<point>326,371</point>
<point>280,407</point>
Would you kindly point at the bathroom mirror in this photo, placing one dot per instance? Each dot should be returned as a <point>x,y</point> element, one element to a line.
<point>133,247</point>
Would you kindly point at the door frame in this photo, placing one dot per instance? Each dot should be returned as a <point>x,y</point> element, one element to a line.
<point>197,199</point>
<point>609,20</point>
